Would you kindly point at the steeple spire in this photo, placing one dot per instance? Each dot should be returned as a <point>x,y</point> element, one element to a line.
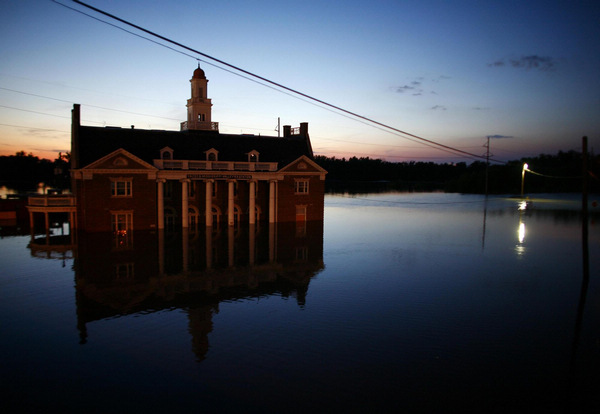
<point>199,105</point>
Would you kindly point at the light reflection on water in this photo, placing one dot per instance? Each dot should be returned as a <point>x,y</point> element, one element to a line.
<point>422,302</point>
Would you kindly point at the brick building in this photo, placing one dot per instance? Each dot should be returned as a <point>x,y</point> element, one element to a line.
<point>133,179</point>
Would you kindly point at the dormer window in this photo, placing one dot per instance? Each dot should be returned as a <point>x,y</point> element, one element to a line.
<point>253,156</point>
<point>166,153</point>
<point>212,155</point>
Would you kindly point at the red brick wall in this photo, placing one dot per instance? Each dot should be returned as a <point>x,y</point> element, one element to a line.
<point>95,203</point>
<point>288,200</point>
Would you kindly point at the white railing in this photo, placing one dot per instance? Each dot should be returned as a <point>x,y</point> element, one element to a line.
<point>200,125</point>
<point>214,165</point>
<point>51,201</point>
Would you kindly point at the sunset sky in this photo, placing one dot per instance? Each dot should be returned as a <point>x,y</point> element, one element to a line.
<point>526,73</point>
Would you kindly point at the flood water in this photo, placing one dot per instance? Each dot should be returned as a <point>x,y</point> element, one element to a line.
<point>396,302</point>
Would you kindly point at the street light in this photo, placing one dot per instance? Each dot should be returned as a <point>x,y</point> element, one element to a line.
<point>525,167</point>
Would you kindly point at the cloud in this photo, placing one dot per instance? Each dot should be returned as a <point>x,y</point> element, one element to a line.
<point>533,62</point>
<point>414,89</point>
<point>419,86</point>
<point>481,108</point>
<point>500,136</point>
<point>439,108</point>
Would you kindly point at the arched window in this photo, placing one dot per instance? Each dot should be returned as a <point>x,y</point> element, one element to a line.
<point>253,156</point>
<point>166,153</point>
<point>216,216</point>
<point>212,155</point>
<point>193,219</point>
<point>170,218</point>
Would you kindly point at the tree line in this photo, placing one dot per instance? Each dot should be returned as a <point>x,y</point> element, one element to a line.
<point>548,173</point>
<point>25,171</point>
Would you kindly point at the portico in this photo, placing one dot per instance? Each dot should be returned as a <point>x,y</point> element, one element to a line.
<point>240,195</point>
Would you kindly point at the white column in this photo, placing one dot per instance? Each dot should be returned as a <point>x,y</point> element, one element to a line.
<point>230,205</point>
<point>272,200</point>
<point>208,203</point>
<point>252,206</point>
<point>160,201</point>
<point>184,203</point>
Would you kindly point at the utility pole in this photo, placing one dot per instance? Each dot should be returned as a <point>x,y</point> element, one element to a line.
<point>278,127</point>
<point>487,164</point>
<point>584,201</point>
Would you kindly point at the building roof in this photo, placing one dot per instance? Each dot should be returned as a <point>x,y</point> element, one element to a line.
<point>96,142</point>
<point>199,73</point>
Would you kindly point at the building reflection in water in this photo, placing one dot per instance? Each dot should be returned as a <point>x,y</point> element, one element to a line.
<point>126,273</point>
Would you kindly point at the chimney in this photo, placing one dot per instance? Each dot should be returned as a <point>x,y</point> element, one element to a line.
<point>75,124</point>
<point>304,129</point>
<point>287,131</point>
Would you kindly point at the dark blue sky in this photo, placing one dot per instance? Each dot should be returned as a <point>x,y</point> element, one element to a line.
<point>452,72</point>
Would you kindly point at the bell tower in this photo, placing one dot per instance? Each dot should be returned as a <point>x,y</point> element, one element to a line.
<point>199,106</point>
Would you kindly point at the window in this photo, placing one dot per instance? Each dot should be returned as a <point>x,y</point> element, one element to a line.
<point>212,155</point>
<point>301,186</point>
<point>122,222</point>
<point>193,216</point>
<point>168,189</point>
<point>253,156</point>
<point>170,219</point>
<point>122,226</point>
<point>166,153</point>
<point>301,254</point>
<point>124,271</point>
<point>201,117</point>
<point>120,187</point>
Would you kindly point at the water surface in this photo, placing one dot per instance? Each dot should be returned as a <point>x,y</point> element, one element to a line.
<point>414,302</point>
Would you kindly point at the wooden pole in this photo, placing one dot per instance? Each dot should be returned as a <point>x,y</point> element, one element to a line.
<point>584,210</point>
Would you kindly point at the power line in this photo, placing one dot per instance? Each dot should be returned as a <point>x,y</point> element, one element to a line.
<point>38,129</point>
<point>44,113</point>
<point>276,84</point>
<point>90,106</point>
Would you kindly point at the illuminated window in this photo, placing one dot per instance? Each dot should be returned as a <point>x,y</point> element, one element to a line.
<point>122,221</point>
<point>122,226</point>
<point>120,187</point>
<point>301,186</point>
<point>253,156</point>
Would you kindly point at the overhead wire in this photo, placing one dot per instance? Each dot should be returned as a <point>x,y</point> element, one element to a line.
<point>91,106</point>
<point>44,113</point>
<point>397,133</point>
<point>355,115</point>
